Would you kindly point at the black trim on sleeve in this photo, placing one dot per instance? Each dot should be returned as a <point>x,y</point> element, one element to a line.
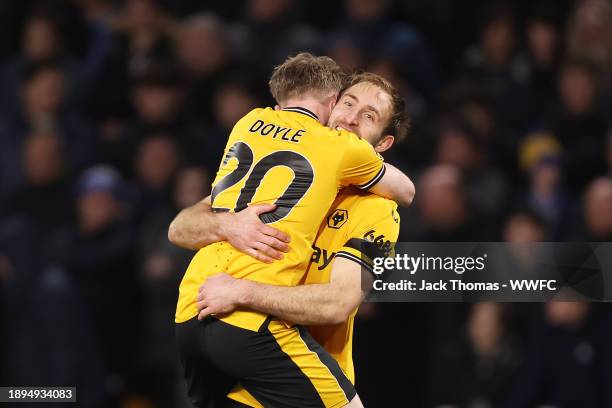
<point>220,210</point>
<point>348,255</point>
<point>369,249</point>
<point>375,180</point>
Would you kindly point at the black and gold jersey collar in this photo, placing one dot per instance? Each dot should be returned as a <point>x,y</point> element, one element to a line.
<point>301,110</point>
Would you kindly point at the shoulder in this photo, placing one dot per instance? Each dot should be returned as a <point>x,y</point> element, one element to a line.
<point>344,136</point>
<point>380,211</point>
<point>254,115</point>
<point>366,209</point>
<point>364,200</point>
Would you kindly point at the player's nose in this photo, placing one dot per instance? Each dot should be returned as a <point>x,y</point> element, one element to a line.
<point>353,118</point>
<point>351,121</point>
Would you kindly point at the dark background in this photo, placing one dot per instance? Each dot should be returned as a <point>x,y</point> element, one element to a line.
<point>114,115</point>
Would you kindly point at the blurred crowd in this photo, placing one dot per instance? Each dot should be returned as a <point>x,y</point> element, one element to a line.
<point>114,115</point>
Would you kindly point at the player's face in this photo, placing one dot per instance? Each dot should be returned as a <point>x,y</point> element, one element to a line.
<point>363,109</point>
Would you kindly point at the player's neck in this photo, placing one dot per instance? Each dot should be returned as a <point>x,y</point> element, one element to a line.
<point>311,104</point>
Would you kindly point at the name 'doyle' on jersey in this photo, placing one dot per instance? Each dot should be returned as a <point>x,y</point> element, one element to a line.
<point>276,132</point>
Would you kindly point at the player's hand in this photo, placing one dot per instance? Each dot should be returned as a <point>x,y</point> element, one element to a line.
<point>245,231</point>
<point>218,295</point>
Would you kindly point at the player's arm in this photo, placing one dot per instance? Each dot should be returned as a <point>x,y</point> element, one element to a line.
<point>316,304</point>
<point>364,168</point>
<point>395,186</point>
<point>197,226</point>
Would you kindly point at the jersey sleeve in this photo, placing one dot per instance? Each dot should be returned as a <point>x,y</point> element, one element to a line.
<point>372,236</point>
<point>361,166</point>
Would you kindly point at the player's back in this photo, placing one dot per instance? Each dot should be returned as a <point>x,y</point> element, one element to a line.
<point>288,158</point>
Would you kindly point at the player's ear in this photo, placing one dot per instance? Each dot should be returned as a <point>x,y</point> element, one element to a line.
<point>384,143</point>
<point>334,99</point>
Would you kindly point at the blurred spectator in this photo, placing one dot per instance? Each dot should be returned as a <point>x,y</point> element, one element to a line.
<point>466,101</point>
<point>43,110</point>
<point>524,227</point>
<point>45,195</point>
<point>459,145</point>
<point>495,51</point>
<point>598,210</point>
<point>157,97</point>
<point>161,266</point>
<point>156,163</point>
<point>60,348</point>
<point>346,53</point>
<point>202,47</point>
<point>182,8</point>
<point>142,38</point>
<point>233,99</point>
<point>541,158</point>
<point>568,364</point>
<point>267,21</point>
<point>609,153</point>
<point>589,35</point>
<point>495,63</point>
<point>43,93</point>
<point>369,31</point>
<point>98,254</point>
<point>43,41</point>
<point>416,105</point>
<point>543,54</point>
<point>580,123</point>
<point>97,10</point>
<point>521,228</point>
<point>543,46</point>
<point>484,357</point>
<point>444,209</point>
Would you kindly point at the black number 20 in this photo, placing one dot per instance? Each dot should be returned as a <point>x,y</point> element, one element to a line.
<point>302,180</point>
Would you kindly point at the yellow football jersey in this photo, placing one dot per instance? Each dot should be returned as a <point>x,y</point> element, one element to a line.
<point>288,158</point>
<point>354,216</point>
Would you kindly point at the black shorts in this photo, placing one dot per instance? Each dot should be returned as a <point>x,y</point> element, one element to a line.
<point>277,366</point>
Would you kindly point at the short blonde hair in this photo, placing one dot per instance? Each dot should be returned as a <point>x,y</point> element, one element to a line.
<point>306,74</point>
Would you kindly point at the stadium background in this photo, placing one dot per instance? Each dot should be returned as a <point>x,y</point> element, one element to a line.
<point>114,114</point>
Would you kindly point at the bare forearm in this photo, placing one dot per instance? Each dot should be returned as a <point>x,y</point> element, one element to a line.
<point>196,226</point>
<point>307,304</point>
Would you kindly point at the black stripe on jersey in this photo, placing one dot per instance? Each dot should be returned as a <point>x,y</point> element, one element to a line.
<point>363,263</point>
<point>301,110</point>
<point>329,362</point>
<point>375,180</point>
<point>369,249</point>
<point>220,210</point>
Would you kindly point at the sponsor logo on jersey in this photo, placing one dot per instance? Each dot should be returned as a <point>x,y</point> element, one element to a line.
<point>383,245</point>
<point>322,257</point>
